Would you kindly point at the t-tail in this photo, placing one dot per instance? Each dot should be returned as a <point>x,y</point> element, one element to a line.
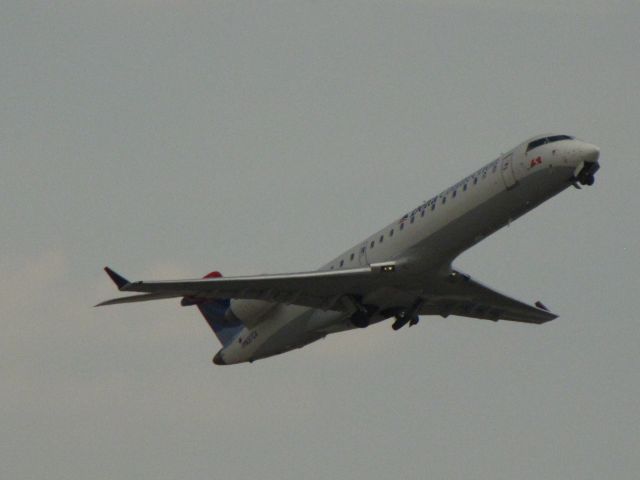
<point>226,327</point>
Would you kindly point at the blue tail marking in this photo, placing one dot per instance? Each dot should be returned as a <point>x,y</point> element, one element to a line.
<point>225,327</point>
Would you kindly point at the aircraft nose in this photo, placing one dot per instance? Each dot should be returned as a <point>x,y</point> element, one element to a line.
<point>589,153</point>
<point>218,360</point>
<point>586,159</point>
<point>581,153</point>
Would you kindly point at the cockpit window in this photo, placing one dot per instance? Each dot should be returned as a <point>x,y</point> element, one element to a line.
<point>545,140</point>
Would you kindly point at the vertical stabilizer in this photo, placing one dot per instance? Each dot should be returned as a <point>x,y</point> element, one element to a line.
<point>226,327</point>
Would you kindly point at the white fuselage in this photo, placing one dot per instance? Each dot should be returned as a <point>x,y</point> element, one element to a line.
<point>426,239</point>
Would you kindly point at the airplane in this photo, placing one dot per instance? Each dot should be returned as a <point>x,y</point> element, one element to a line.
<point>401,272</point>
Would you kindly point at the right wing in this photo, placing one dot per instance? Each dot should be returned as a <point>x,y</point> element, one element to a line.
<point>460,295</point>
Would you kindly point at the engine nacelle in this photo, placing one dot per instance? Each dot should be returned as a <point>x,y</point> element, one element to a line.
<point>250,310</point>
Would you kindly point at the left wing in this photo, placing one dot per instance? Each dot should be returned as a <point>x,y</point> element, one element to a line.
<point>317,289</point>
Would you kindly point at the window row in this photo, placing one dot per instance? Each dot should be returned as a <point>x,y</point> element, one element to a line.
<point>422,210</point>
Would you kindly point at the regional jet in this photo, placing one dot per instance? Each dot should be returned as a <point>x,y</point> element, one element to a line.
<point>401,272</point>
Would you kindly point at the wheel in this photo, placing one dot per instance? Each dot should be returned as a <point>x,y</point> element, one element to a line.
<point>360,319</point>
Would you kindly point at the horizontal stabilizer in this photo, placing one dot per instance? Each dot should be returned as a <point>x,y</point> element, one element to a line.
<point>137,298</point>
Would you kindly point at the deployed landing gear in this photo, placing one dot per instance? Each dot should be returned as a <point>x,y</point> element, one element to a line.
<point>409,316</point>
<point>361,317</point>
<point>586,174</point>
<point>402,320</point>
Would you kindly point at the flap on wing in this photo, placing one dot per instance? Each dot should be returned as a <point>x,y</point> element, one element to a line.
<point>463,296</point>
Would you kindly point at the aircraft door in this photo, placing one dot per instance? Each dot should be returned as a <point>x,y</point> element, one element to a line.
<point>506,170</point>
<point>362,255</point>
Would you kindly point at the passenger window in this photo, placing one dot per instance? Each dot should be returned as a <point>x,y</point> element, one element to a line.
<point>464,187</point>
<point>422,212</point>
<point>475,181</point>
<point>402,226</point>
<point>433,206</point>
<point>381,238</point>
<point>455,192</point>
<point>372,243</point>
<point>351,258</point>
<point>444,200</point>
<point>413,219</point>
<point>391,233</point>
<point>341,262</point>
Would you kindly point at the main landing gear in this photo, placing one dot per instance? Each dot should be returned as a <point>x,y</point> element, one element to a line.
<point>361,317</point>
<point>409,316</point>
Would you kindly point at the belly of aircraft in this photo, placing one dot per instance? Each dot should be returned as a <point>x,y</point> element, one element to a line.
<point>299,331</point>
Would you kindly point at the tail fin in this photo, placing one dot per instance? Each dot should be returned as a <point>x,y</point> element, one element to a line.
<point>226,327</point>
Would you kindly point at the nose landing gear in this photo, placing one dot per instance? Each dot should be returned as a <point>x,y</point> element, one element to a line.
<point>585,174</point>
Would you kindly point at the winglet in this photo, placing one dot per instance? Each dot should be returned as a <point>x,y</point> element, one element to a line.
<point>119,280</point>
<point>541,305</point>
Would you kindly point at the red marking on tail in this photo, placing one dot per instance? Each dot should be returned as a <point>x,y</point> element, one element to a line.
<point>187,301</point>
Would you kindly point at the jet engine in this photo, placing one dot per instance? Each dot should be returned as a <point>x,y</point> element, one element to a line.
<point>249,311</point>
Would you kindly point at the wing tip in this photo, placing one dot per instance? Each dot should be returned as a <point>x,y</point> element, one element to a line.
<point>549,315</point>
<point>118,279</point>
<point>541,305</point>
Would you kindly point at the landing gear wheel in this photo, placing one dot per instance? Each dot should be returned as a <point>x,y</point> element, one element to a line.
<point>402,320</point>
<point>590,180</point>
<point>360,319</point>
<point>399,323</point>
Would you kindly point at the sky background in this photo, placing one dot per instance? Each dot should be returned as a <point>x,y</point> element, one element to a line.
<point>171,138</point>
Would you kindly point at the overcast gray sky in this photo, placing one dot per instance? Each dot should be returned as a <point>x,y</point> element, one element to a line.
<point>172,138</point>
